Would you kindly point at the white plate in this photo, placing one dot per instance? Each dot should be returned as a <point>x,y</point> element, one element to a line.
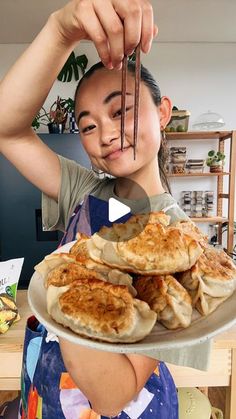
<point>201,329</point>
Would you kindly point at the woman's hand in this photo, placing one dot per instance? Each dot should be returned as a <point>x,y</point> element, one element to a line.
<point>114,26</point>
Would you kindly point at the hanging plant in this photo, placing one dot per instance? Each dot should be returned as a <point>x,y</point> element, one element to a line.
<point>72,66</point>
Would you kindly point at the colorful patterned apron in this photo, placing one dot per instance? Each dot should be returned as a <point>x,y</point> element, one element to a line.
<point>48,392</point>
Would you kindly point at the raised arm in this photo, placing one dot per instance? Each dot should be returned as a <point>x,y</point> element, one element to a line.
<point>27,84</point>
<point>23,92</point>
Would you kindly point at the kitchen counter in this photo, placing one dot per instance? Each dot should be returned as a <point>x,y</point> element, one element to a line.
<point>222,371</point>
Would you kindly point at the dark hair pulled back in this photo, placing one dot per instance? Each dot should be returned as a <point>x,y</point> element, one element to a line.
<point>155,92</point>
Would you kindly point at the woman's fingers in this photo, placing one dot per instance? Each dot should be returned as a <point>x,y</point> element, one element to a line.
<point>94,31</point>
<point>155,31</point>
<point>116,27</point>
<point>131,15</point>
<point>147,28</point>
<point>137,17</point>
<point>126,24</point>
<point>114,30</point>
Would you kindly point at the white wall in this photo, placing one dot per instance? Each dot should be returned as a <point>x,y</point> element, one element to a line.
<point>196,76</point>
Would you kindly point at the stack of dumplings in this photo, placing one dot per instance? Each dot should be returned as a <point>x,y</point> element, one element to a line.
<point>115,286</point>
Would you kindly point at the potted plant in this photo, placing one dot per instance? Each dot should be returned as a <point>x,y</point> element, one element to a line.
<point>215,161</point>
<point>42,118</point>
<point>58,116</point>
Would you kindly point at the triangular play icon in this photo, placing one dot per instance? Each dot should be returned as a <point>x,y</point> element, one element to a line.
<point>116,209</point>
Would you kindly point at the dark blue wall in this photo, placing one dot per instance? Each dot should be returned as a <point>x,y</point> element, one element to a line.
<point>19,201</point>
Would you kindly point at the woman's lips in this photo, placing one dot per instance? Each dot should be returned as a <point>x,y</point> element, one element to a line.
<point>116,154</point>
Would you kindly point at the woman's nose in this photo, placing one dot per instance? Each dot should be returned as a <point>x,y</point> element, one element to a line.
<point>109,133</point>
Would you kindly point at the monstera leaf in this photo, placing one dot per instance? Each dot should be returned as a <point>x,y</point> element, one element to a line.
<point>72,66</point>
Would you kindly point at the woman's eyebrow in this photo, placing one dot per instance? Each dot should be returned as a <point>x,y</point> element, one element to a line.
<point>114,94</point>
<point>83,113</point>
<point>106,100</point>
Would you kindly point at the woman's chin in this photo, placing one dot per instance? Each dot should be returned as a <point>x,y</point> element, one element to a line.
<point>121,172</point>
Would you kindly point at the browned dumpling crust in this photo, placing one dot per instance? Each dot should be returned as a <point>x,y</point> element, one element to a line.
<point>100,310</point>
<point>51,262</point>
<point>188,227</point>
<point>156,250</point>
<point>78,248</point>
<point>160,249</point>
<point>80,251</point>
<point>66,273</point>
<point>167,298</point>
<point>107,306</point>
<point>60,269</point>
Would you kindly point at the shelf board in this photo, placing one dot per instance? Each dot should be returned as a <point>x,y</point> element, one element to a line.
<point>209,219</point>
<point>198,135</point>
<point>197,174</point>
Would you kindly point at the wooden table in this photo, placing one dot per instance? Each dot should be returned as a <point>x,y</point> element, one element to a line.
<point>222,371</point>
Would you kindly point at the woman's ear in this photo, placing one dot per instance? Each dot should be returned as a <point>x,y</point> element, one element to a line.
<point>165,110</point>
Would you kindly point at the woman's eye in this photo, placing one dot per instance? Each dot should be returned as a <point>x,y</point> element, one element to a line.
<point>88,128</point>
<point>118,113</point>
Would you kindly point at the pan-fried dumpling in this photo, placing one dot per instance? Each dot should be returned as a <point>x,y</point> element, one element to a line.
<point>61,269</point>
<point>66,273</point>
<point>51,262</point>
<point>132,227</point>
<point>99,310</point>
<point>80,251</point>
<point>167,298</point>
<point>188,227</point>
<point>76,248</point>
<point>210,281</point>
<point>156,250</point>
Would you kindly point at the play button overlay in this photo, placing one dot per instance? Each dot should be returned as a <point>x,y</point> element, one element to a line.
<point>116,209</point>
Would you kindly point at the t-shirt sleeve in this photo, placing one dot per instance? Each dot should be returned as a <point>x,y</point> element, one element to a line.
<point>76,182</point>
<point>177,214</point>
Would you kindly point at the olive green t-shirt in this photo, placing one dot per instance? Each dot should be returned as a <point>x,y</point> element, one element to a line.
<point>76,182</point>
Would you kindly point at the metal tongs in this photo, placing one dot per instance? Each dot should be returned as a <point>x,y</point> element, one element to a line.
<point>136,97</point>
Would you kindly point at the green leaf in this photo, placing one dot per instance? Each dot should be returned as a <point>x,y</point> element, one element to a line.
<point>76,72</point>
<point>71,67</point>
<point>62,75</point>
<point>69,74</point>
<point>211,153</point>
<point>82,62</point>
<point>209,161</point>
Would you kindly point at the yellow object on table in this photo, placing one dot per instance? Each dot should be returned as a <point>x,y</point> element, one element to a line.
<point>8,312</point>
<point>193,404</point>
<point>10,271</point>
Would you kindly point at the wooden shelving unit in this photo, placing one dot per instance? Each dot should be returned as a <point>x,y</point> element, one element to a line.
<point>220,137</point>
<point>197,174</point>
<point>199,135</point>
<point>209,219</point>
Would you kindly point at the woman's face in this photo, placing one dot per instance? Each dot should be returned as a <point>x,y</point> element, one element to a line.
<point>98,112</point>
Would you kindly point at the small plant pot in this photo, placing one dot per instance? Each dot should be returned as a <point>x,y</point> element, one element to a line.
<point>216,168</point>
<point>56,128</point>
